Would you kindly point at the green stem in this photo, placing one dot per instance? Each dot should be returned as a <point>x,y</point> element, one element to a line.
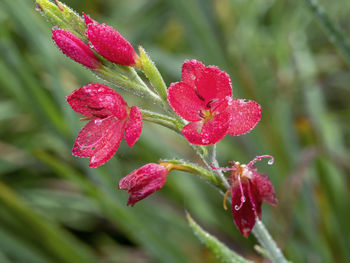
<point>335,34</point>
<point>163,120</point>
<point>266,241</point>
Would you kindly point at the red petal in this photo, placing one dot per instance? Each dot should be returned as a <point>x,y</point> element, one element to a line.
<point>245,116</point>
<point>210,132</point>
<point>265,187</point>
<point>99,139</point>
<point>133,126</point>
<point>245,216</point>
<point>144,181</point>
<point>184,101</point>
<point>97,100</point>
<point>74,48</point>
<point>111,44</point>
<point>191,70</point>
<point>88,20</point>
<point>108,145</point>
<point>214,83</point>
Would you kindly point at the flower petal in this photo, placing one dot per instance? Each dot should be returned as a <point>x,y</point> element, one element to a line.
<point>245,216</point>
<point>214,84</point>
<point>184,101</point>
<point>265,187</point>
<point>134,126</point>
<point>99,139</point>
<point>108,144</point>
<point>97,100</point>
<point>111,44</point>
<point>245,116</point>
<point>144,181</point>
<point>210,132</point>
<point>191,70</point>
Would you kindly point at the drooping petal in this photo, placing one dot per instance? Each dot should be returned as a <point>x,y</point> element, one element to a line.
<point>245,116</point>
<point>210,132</point>
<point>90,136</point>
<point>144,181</point>
<point>108,144</point>
<point>134,126</point>
<point>184,101</point>
<point>214,84</point>
<point>265,187</point>
<point>74,48</point>
<point>191,70</point>
<point>111,44</point>
<point>245,215</point>
<point>97,100</point>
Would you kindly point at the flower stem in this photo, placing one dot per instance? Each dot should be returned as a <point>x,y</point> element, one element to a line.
<point>266,241</point>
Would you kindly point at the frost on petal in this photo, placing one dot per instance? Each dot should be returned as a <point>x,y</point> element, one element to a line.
<point>108,144</point>
<point>143,181</point>
<point>134,126</point>
<point>214,84</point>
<point>184,101</point>
<point>97,100</point>
<point>191,70</point>
<point>210,132</point>
<point>74,48</point>
<point>111,44</point>
<point>245,116</point>
<point>245,216</point>
<point>265,187</point>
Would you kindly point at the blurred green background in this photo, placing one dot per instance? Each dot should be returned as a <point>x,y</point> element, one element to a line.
<point>53,208</point>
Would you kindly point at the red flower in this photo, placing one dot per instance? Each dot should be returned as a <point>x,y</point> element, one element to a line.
<point>248,189</point>
<point>204,97</point>
<point>110,43</point>
<point>109,116</point>
<point>144,181</point>
<point>74,48</point>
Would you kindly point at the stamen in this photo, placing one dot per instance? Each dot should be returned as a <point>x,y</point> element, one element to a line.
<point>225,199</point>
<point>258,158</point>
<point>199,96</point>
<point>210,102</point>
<point>221,168</point>
<point>251,200</point>
<point>201,114</point>
<point>242,194</point>
<point>99,115</point>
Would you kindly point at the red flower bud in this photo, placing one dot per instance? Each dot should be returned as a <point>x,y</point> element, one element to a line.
<point>74,48</point>
<point>110,43</point>
<point>144,181</point>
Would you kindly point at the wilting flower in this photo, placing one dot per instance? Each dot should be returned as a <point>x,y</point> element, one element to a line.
<point>204,97</point>
<point>248,189</point>
<point>74,48</point>
<point>144,181</point>
<point>109,119</point>
<point>109,43</point>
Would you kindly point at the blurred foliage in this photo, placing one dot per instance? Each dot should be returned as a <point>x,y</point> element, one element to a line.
<point>54,209</point>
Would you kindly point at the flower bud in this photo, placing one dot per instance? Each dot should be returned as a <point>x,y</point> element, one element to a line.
<point>109,43</point>
<point>74,48</point>
<point>144,181</point>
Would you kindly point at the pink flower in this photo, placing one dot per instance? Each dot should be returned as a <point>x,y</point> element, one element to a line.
<point>248,189</point>
<point>110,43</point>
<point>204,97</point>
<point>74,48</point>
<point>109,119</point>
<point>144,181</point>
